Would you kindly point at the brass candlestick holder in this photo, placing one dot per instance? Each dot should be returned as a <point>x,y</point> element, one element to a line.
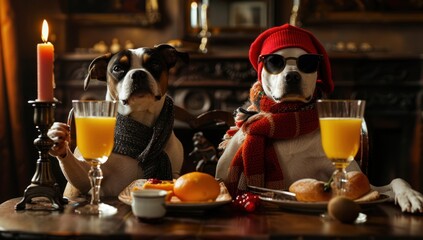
<point>43,183</point>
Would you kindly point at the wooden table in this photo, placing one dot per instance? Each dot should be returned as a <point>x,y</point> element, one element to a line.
<point>270,221</point>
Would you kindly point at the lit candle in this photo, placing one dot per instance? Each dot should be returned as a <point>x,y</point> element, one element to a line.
<point>45,58</point>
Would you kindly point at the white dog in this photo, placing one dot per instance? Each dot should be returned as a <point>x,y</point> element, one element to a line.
<point>145,145</point>
<point>279,141</point>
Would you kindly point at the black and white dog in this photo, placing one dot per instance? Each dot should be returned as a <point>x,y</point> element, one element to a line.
<point>145,145</point>
<point>284,81</point>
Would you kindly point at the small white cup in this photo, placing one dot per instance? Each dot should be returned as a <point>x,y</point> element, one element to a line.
<point>148,205</point>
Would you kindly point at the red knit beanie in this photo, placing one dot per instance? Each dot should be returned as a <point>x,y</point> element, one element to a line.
<point>287,36</point>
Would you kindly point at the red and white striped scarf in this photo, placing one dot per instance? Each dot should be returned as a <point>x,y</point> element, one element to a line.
<point>255,162</point>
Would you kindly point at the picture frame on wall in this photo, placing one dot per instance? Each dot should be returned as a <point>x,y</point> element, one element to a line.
<point>248,14</point>
<point>230,19</point>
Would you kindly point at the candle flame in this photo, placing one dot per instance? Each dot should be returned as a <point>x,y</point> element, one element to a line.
<point>44,31</point>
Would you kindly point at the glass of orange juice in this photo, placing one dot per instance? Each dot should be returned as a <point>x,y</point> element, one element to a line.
<point>95,122</point>
<point>340,127</point>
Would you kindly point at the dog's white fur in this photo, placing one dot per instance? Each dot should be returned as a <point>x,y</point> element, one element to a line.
<point>303,157</point>
<point>119,170</point>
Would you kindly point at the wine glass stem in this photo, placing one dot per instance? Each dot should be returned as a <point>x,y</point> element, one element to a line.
<point>340,179</point>
<point>96,175</point>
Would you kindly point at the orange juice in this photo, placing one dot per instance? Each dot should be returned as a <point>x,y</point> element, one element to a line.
<point>340,138</point>
<point>94,137</point>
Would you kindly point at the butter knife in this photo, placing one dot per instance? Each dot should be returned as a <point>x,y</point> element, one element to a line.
<point>272,193</point>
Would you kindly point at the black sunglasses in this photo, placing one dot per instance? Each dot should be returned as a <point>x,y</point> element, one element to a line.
<point>274,63</point>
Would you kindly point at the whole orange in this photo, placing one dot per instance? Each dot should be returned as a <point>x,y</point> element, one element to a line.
<point>196,187</point>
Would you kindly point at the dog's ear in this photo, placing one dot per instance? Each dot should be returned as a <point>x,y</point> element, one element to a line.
<point>171,55</point>
<point>97,69</point>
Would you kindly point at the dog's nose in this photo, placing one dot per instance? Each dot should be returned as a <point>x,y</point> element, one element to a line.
<point>139,81</point>
<point>139,75</point>
<point>292,78</point>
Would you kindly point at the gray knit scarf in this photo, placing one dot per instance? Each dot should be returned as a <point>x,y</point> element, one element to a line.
<point>146,144</point>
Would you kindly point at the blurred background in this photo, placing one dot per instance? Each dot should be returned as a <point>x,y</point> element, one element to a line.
<point>374,45</point>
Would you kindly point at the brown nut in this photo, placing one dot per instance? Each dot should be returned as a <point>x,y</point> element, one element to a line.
<point>343,209</point>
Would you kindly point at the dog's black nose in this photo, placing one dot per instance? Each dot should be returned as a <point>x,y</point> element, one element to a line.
<point>139,75</point>
<point>139,81</point>
<point>292,78</point>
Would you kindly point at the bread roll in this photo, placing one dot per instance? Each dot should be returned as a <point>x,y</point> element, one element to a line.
<point>310,190</point>
<point>357,185</point>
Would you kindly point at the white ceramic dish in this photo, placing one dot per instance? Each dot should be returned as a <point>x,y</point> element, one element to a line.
<point>317,206</point>
<point>223,198</point>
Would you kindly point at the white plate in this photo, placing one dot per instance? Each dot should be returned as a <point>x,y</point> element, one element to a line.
<point>317,206</point>
<point>223,198</point>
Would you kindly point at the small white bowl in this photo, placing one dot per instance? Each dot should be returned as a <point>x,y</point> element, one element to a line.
<point>148,205</point>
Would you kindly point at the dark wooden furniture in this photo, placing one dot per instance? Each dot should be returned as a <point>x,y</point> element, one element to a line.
<point>202,153</point>
<point>384,221</point>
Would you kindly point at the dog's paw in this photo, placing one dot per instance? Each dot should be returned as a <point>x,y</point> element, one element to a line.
<point>223,144</point>
<point>241,115</point>
<point>408,199</point>
<point>60,134</point>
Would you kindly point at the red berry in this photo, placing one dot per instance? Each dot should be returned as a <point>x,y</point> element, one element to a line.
<point>247,202</point>
<point>250,207</point>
